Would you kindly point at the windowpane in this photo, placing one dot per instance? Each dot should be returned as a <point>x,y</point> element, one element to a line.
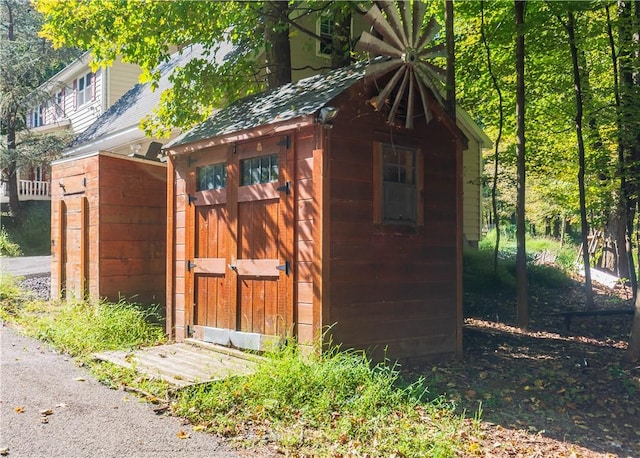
<point>255,171</point>
<point>212,176</point>
<point>326,29</point>
<point>83,92</point>
<point>399,192</point>
<point>262,169</point>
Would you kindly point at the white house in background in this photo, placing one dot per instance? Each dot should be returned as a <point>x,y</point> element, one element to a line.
<point>78,97</point>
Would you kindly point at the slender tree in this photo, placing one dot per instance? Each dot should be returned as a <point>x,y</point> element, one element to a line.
<point>570,26</point>
<point>451,58</point>
<point>624,208</point>
<point>496,158</point>
<point>632,116</point>
<point>521,252</point>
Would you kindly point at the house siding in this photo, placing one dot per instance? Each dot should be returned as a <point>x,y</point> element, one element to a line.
<point>122,77</point>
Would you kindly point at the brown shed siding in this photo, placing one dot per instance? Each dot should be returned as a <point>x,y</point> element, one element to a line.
<point>393,288</point>
<point>307,325</point>
<point>108,228</point>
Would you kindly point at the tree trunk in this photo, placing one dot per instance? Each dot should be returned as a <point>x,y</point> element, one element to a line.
<point>277,45</point>
<point>496,162</point>
<point>10,125</point>
<point>581,159</point>
<point>451,59</point>
<point>627,268</point>
<point>633,349</point>
<point>521,252</point>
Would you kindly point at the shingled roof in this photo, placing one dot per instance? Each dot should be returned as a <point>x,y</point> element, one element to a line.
<point>286,102</point>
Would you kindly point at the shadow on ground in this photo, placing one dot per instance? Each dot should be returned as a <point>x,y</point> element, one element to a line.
<point>546,391</point>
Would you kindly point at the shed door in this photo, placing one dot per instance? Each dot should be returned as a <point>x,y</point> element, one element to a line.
<point>72,251</point>
<point>247,288</point>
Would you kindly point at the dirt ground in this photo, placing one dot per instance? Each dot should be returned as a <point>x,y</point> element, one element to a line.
<point>549,391</point>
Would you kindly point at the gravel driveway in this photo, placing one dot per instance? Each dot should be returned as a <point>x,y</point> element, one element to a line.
<point>82,418</point>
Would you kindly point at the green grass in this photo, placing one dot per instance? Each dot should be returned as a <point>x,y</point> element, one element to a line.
<point>330,404</point>
<point>334,403</point>
<point>480,277</point>
<point>79,328</point>
<point>32,233</point>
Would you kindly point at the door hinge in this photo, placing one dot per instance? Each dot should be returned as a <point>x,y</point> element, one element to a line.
<point>191,198</point>
<point>286,188</point>
<point>191,161</point>
<point>190,265</point>
<point>286,268</point>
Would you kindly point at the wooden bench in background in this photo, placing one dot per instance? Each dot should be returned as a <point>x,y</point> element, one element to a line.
<point>569,315</point>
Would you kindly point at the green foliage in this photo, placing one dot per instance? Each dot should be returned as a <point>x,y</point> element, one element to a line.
<point>7,246</point>
<point>11,297</point>
<point>32,231</point>
<point>146,33</point>
<point>480,277</point>
<point>334,403</point>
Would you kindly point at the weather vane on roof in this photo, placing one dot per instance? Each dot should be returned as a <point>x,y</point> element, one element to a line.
<point>406,44</point>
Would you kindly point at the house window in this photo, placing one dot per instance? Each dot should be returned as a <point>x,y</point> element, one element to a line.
<point>58,103</point>
<point>326,29</point>
<point>262,169</point>
<point>397,184</point>
<point>84,89</point>
<point>212,176</point>
<point>37,117</point>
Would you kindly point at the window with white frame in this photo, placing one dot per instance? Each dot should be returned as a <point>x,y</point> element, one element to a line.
<point>58,105</point>
<point>36,117</point>
<point>84,89</point>
<point>326,29</point>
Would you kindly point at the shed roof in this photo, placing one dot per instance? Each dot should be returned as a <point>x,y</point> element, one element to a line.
<point>286,102</point>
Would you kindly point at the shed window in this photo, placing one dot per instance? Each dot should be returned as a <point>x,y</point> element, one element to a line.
<point>397,184</point>
<point>212,176</point>
<point>262,169</point>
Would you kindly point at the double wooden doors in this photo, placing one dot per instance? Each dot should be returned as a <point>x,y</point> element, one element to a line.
<point>242,244</point>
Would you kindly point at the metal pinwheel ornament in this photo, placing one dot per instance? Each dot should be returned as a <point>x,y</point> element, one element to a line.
<point>406,44</point>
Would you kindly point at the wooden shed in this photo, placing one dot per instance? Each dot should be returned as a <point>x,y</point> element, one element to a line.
<point>302,210</point>
<point>109,228</point>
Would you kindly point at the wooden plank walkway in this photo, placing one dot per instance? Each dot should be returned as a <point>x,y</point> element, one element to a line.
<point>184,363</point>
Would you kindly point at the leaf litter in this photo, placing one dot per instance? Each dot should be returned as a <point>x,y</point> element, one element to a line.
<point>546,391</point>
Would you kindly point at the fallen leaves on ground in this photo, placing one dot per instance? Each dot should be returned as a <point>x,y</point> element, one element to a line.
<point>545,391</point>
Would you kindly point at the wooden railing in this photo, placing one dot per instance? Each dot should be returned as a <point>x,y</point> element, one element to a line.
<point>28,190</point>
